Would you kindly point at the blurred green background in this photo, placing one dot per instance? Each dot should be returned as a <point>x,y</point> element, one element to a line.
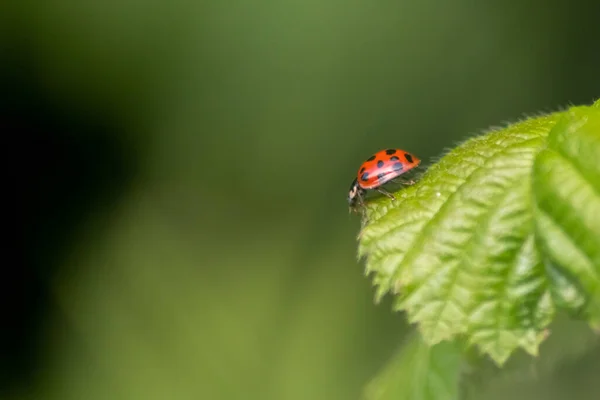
<point>178,173</point>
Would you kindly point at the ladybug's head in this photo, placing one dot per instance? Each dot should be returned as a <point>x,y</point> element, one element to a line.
<point>354,192</point>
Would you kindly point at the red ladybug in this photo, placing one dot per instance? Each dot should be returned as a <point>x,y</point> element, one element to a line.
<point>380,168</point>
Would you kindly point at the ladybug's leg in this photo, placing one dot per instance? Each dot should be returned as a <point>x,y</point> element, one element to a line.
<point>385,192</point>
<point>363,208</point>
<point>360,199</point>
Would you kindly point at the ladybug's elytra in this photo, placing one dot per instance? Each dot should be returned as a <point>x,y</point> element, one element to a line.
<point>380,168</point>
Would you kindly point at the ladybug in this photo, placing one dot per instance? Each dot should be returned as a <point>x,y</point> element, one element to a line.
<point>382,167</point>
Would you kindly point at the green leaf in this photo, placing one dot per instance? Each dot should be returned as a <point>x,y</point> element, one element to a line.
<point>457,249</point>
<point>419,372</point>
<point>566,186</point>
<point>568,341</point>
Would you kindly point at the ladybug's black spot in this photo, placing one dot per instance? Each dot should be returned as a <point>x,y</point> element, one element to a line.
<point>365,176</point>
<point>394,158</point>
<point>380,176</point>
<point>408,157</point>
<point>362,170</point>
<point>380,164</point>
<point>371,158</point>
<point>398,166</point>
<point>389,152</point>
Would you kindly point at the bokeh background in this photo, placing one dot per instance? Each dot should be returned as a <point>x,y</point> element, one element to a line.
<point>176,175</point>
